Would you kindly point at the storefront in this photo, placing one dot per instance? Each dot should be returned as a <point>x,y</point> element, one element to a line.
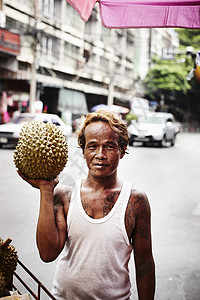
<point>10,97</point>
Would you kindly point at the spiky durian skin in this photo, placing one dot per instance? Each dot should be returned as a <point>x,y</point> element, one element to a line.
<point>3,289</point>
<point>42,150</point>
<point>1,252</point>
<point>8,264</point>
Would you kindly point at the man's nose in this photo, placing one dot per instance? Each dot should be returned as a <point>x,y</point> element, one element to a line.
<point>100,153</point>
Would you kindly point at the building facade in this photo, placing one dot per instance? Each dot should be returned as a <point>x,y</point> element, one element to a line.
<point>67,64</point>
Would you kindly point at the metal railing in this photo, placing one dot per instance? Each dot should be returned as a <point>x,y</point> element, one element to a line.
<point>40,286</point>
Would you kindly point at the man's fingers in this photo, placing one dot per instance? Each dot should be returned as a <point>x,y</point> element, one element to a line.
<point>56,181</point>
<point>37,182</point>
<point>34,183</point>
<point>22,176</point>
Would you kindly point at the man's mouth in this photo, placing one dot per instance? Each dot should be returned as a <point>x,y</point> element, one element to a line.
<point>100,165</point>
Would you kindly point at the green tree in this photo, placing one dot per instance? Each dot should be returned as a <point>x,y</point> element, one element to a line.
<point>171,75</point>
<point>189,37</point>
<point>167,75</point>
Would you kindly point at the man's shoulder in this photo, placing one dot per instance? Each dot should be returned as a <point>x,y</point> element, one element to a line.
<point>137,193</point>
<point>63,193</point>
<point>60,189</point>
<point>138,199</point>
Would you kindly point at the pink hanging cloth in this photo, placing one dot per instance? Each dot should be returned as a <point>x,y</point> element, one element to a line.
<point>83,7</point>
<point>149,14</point>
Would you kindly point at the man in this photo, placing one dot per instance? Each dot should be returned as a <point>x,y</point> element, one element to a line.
<point>98,224</point>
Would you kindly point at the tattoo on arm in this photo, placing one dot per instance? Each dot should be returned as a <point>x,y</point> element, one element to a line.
<point>130,219</point>
<point>142,209</point>
<point>58,202</point>
<point>144,269</point>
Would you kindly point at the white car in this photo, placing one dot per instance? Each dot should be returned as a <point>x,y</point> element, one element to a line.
<point>156,128</point>
<point>9,133</point>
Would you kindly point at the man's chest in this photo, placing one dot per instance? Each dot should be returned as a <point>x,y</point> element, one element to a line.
<point>98,206</point>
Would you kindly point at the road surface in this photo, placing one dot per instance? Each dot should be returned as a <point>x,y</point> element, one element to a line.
<point>170,178</point>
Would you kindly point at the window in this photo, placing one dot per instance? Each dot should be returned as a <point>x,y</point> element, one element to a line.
<point>72,18</point>
<point>71,50</point>
<point>50,46</point>
<point>128,72</point>
<point>119,38</point>
<point>55,121</point>
<point>106,35</point>
<point>48,7</point>
<point>130,46</point>
<point>21,27</point>
<point>86,55</point>
<point>104,64</point>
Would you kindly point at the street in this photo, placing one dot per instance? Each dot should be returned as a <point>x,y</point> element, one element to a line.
<point>170,178</point>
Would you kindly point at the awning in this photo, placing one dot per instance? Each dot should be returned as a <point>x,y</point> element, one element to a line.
<point>83,7</point>
<point>142,14</point>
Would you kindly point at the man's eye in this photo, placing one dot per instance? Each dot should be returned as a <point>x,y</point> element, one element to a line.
<point>91,147</point>
<point>110,147</point>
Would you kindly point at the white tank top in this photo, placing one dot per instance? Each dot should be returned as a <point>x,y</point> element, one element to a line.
<point>94,261</point>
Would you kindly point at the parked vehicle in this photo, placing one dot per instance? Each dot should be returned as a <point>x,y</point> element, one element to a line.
<point>9,133</point>
<point>156,128</point>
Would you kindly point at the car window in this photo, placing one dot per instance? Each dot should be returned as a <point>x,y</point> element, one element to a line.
<point>55,121</point>
<point>23,119</point>
<point>152,120</point>
<point>169,120</point>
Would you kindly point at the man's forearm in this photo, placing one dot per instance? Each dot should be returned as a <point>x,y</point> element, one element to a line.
<point>145,277</point>
<point>47,233</point>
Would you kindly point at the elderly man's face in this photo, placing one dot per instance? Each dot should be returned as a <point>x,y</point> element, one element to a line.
<point>102,151</point>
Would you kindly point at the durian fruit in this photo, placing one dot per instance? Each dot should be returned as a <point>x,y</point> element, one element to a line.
<point>42,150</point>
<point>8,264</point>
<point>3,289</point>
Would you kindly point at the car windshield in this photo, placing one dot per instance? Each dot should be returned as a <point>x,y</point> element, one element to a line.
<point>152,120</point>
<point>23,119</point>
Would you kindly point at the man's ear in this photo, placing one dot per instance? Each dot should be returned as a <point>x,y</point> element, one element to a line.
<point>83,153</point>
<point>122,154</point>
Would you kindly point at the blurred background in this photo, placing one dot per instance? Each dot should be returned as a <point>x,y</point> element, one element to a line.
<point>51,62</point>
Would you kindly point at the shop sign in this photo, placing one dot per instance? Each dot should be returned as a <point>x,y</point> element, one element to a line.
<point>9,42</point>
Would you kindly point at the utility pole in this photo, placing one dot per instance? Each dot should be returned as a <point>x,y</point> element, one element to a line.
<point>33,81</point>
<point>110,91</point>
<point>150,44</point>
<point>32,87</point>
<point>111,83</point>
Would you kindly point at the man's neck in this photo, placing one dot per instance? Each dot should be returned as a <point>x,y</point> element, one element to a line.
<point>103,183</point>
